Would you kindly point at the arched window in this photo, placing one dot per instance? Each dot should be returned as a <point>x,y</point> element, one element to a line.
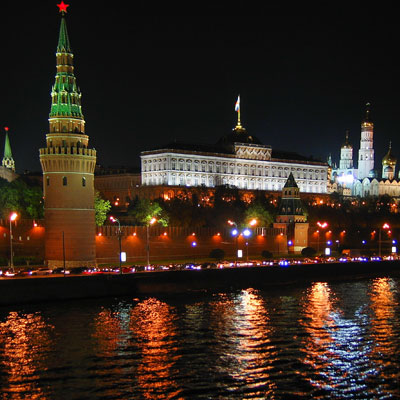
<point>64,181</point>
<point>83,181</point>
<point>48,181</point>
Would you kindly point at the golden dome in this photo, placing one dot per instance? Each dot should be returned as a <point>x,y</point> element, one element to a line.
<point>389,158</point>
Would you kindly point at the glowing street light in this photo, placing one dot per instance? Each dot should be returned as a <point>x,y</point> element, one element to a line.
<point>235,234</point>
<point>384,226</point>
<point>13,217</point>
<point>322,225</point>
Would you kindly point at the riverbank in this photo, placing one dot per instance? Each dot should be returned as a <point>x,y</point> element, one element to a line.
<point>56,288</point>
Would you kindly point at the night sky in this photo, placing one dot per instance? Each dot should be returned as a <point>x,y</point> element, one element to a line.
<point>151,74</point>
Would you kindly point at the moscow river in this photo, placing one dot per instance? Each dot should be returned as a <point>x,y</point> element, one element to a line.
<point>323,341</point>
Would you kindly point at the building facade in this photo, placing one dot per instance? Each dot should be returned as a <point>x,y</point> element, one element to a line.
<point>238,160</point>
<point>68,169</point>
<point>364,181</point>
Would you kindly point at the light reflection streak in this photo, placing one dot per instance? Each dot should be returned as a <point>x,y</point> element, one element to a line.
<point>24,340</point>
<point>383,328</point>
<point>246,329</point>
<point>336,348</point>
<point>111,329</point>
<point>152,323</point>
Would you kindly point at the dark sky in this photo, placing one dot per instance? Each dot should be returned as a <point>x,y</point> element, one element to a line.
<point>151,74</point>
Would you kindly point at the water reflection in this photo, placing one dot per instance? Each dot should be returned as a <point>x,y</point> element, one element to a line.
<point>241,328</point>
<point>153,326</point>
<point>384,327</point>
<point>253,349</point>
<point>111,329</point>
<point>337,348</point>
<point>24,341</point>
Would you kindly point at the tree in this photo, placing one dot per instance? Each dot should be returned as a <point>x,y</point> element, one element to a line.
<point>101,208</point>
<point>144,210</point>
<point>257,211</point>
<point>20,196</point>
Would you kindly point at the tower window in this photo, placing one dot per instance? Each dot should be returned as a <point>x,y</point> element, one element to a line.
<point>48,181</point>
<point>83,181</point>
<point>64,181</point>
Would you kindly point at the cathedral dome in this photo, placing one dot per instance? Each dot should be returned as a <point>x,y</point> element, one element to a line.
<point>389,158</point>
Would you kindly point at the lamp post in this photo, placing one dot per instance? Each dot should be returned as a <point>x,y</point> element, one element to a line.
<point>279,243</point>
<point>247,233</point>
<point>322,225</point>
<point>112,219</point>
<point>235,233</point>
<point>384,226</point>
<point>194,244</point>
<point>151,222</point>
<point>13,217</point>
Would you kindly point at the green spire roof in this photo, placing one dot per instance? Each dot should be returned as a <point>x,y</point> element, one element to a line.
<point>7,147</point>
<point>63,40</point>
<point>65,95</point>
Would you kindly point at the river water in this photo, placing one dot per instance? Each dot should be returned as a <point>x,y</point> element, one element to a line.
<point>321,341</point>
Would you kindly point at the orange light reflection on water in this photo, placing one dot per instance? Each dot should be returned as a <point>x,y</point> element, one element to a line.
<point>243,326</point>
<point>383,305</point>
<point>153,324</point>
<point>23,341</point>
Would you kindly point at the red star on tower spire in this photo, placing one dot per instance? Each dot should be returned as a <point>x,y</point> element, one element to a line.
<point>62,7</point>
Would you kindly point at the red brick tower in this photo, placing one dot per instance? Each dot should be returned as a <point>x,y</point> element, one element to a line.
<point>68,169</point>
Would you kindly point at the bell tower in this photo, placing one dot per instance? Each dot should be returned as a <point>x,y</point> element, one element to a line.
<point>68,168</point>
<point>366,152</point>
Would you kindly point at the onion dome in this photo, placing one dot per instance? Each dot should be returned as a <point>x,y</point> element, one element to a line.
<point>389,158</point>
<point>346,144</point>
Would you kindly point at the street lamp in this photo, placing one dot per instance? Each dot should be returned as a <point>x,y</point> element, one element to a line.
<point>235,234</point>
<point>384,226</point>
<point>322,225</point>
<point>112,219</point>
<point>194,244</point>
<point>151,222</point>
<point>247,234</point>
<point>13,217</point>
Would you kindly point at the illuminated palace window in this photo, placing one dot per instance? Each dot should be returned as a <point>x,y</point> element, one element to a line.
<point>241,165</point>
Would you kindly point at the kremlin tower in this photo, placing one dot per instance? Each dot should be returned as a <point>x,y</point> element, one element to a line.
<point>8,161</point>
<point>68,168</point>
<point>366,152</point>
<point>346,154</point>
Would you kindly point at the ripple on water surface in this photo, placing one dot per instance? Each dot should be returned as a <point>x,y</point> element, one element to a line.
<point>322,341</point>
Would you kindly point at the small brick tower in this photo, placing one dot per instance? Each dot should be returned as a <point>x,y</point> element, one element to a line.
<point>68,169</point>
<point>292,217</point>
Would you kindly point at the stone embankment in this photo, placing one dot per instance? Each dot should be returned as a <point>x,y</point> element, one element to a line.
<point>56,288</point>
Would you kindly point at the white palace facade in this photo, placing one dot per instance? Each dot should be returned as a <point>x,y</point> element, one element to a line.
<point>238,160</point>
